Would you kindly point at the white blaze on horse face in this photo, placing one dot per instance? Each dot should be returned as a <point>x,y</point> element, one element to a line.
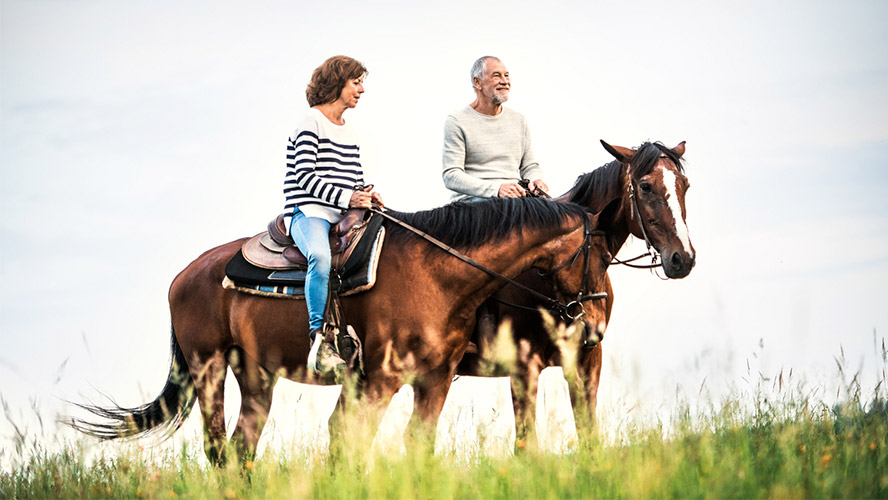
<point>681,228</point>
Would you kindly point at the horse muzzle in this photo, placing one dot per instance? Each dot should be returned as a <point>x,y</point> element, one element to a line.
<point>593,334</point>
<point>677,265</point>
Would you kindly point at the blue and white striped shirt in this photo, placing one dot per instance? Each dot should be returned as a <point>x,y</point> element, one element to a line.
<point>323,168</point>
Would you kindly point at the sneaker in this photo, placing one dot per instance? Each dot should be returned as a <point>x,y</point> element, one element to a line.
<point>329,361</point>
<point>312,362</point>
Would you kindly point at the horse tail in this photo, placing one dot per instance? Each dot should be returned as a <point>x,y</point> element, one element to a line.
<point>165,414</point>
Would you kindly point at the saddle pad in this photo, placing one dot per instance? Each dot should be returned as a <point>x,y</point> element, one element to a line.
<point>243,276</point>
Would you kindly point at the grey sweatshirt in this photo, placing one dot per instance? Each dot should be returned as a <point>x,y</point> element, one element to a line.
<point>481,152</point>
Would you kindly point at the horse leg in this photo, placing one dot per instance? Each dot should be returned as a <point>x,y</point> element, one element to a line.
<point>525,381</point>
<point>431,392</point>
<point>256,386</point>
<point>589,368</point>
<point>209,382</point>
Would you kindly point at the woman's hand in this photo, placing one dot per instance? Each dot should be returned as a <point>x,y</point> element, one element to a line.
<point>376,199</point>
<point>365,198</point>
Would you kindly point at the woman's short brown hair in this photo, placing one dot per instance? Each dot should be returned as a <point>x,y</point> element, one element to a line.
<point>330,78</point>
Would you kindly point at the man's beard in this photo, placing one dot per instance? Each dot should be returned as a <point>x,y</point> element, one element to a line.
<point>500,97</point>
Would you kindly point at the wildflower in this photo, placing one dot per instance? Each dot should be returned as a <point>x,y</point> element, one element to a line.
<point>802,448</point>
<point>872,446</point>
<point>230,494</point>
<point>108,490</point>
<point>138,492</point>
<point>249,465</point>
<point>173,494</point>
<point>825,459</point>
<point>502,472</point>
<point>521,443</point>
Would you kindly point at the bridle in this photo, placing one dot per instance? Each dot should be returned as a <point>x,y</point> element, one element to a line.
<point>656,261</point>
<point>572,310</point>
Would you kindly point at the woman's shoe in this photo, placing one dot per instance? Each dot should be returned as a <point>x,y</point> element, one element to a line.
<point>317,338</point>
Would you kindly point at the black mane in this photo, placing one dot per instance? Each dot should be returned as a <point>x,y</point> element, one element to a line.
<point>596,185</point>
<point>472,224</point>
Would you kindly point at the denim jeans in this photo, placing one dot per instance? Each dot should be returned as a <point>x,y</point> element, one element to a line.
<point>311,235</point>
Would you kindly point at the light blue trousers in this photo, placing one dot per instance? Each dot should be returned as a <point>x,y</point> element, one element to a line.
<point>311,235</point>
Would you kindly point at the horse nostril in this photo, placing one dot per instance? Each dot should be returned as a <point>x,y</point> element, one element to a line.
<point>676,259</point>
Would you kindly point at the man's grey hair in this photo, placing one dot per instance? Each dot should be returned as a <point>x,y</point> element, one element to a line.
<point>480,67</point>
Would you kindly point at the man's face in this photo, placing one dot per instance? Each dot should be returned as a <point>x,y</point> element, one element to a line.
<point>495,84</point>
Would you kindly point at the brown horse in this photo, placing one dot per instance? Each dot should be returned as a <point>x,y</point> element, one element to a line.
<point>642,193</point>
<point>417,319</point>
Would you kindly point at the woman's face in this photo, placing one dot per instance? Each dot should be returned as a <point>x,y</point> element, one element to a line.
<point>352,92</point>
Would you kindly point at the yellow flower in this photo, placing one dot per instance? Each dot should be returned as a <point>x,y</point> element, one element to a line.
<point>825,459</point>
<point>173,494</point>
<point>873,446</point>
<point>229,493</point>
<point>521,443</point>
<point>249,465</point>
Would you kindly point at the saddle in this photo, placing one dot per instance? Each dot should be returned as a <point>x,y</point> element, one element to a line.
<point>270,264</point>
<point>274,249</point>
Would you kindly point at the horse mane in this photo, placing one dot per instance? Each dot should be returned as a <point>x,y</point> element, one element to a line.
<point>597,184</point>
<point>472,224</point>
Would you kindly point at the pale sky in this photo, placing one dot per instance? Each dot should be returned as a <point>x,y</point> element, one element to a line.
<point>137,135</point>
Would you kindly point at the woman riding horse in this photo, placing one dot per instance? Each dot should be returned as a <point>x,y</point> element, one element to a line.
<point>324,175</point>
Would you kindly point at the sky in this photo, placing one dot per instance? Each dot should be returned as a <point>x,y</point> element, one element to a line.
<point>135,136</point>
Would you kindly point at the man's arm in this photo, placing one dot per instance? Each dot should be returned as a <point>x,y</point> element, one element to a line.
<point>454,164</point>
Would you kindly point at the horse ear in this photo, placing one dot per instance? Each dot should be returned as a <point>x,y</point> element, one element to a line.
<point>623,154</point>
<point>680,149</point>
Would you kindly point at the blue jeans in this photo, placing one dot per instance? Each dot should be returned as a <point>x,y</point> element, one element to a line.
<point>311,235</point>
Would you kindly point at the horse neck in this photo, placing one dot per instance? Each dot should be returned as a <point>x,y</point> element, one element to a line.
<point>616,221</point>
<point>509,258</point>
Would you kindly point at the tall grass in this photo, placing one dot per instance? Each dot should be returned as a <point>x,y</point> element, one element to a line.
<point>756,445</point>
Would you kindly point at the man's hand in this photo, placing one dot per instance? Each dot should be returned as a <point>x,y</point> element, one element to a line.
<point>510,190</point>
<point>538,184</point>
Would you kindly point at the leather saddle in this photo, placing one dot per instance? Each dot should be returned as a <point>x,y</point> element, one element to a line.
<point>274,249</point>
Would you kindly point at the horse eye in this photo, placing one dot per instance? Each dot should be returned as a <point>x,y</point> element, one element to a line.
<point>645,187</point>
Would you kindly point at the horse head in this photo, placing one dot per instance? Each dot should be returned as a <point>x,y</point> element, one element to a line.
<point>655,187</point>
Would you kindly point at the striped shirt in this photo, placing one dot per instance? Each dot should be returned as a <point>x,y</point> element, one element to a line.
<point>323,168</point>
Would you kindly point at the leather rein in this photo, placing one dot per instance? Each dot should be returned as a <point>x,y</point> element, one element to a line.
<point>571,310</point>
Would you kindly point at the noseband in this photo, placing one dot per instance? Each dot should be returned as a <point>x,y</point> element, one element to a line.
<point>571,310</point>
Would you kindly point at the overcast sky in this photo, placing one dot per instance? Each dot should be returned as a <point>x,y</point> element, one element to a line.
<point>137,135</point>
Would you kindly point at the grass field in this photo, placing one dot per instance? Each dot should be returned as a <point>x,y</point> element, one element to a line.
<point>756,445</point>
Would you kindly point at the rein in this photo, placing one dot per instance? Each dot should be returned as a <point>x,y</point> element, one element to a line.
<point>554,304</point>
